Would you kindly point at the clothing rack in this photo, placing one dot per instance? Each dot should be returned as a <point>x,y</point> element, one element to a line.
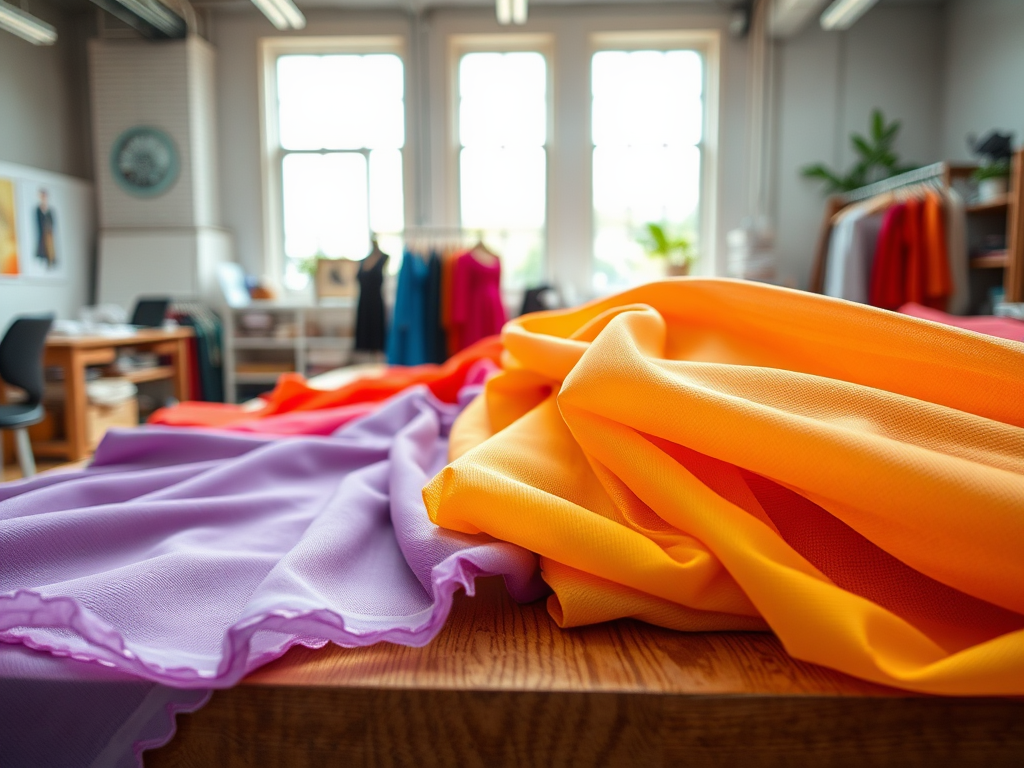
<point>935,171</point>
<point>942,173</point>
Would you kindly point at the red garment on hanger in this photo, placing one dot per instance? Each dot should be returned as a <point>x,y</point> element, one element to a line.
<point>293,393</point>
<point>476,307</point>
<point>913,285</point>
<point>888,269</point>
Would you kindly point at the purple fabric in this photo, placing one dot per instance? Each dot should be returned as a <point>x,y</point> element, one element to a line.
<point>191,557</point>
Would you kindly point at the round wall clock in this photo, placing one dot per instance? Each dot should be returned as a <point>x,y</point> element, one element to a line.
<point>144,161</point>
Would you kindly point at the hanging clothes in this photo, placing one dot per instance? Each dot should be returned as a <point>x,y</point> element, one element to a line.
<point>938,286</point>
<point>370,323</point>
<point>889,268</point>
<point>437,340</point>
<point>956,249</point>
<point>477,309</point>
<point>407,340</point>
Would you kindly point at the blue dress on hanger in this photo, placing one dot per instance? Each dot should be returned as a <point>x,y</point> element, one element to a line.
<point>407,339</point>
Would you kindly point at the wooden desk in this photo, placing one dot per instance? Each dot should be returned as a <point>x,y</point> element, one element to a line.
<point>75,353</point>
<point>503,686</point>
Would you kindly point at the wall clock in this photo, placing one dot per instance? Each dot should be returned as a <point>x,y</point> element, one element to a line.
<point>144,161</point>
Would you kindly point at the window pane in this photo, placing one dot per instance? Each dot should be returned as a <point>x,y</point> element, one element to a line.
<point>503,99</point>
<point>332,200</point>
<point>503,163</point>
<point>341,101</point>
<point>386,204</point>
<point>325,206</point>
<point>647,118</point>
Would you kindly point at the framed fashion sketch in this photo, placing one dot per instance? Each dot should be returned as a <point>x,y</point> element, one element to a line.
<point>336,279</point>
<point>40,229</point>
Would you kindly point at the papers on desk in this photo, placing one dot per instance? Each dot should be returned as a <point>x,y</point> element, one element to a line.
<point>82,328</point>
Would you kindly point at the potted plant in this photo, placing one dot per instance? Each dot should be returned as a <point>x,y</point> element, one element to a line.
<point>676,250</point>
<point>993,180</point>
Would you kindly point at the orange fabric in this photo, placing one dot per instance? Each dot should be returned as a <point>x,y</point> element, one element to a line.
<point>939,282</point>
<point>292,393</point>
<point>451,330</point>
<point>711,454</point>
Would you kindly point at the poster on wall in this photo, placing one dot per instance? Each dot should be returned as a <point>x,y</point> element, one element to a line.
<point>40,231</point>
<point>9,264</point>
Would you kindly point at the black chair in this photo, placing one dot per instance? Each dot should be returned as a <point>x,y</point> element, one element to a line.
<point>21,365</point>
<point>150,311</point>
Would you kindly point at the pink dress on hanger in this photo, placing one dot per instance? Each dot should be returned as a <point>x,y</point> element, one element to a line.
<point>476,308</point>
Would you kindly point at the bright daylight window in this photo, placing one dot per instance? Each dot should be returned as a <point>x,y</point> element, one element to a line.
<point>502,157</point>
<point>647,126</point>
<point>341,129</point>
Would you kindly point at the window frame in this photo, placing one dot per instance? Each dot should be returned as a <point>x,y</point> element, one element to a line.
<point>707,43</point>
<point>462,44</point>
<point>272,154</point>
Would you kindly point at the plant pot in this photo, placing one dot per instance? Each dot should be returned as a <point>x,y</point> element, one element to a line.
<point>992,189</point>
<point>677,270</point>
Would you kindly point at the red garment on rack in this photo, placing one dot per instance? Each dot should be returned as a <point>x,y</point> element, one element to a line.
<point>293,393</point>
<point>476,307</point>
<point>888,269</point>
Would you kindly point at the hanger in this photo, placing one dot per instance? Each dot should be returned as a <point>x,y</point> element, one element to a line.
<point>482,253</point>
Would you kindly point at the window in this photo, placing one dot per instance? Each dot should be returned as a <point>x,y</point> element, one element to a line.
<point>502,137</point>
<point>337,145</point>
<point>647,125</point>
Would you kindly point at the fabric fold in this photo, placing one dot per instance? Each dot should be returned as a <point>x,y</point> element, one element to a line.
<point>851,477</point>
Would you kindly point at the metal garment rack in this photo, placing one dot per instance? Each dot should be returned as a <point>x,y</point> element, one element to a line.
<point>917,176</point>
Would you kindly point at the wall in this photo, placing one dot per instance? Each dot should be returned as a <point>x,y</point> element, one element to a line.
<point>236,37</point>
<point>44,126</point>
<point>984,64</point>
<point>828,84</point>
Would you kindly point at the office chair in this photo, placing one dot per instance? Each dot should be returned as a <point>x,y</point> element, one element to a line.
<point>21,365</point>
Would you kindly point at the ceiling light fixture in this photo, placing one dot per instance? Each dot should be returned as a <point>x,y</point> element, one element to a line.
<point>843,13</point>
<point>511,11</point>
<point>151,18</point>
<point>283,14</point>
<point>26,26</point>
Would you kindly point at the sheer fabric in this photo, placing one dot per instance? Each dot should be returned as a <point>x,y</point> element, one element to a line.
<point>712,454</point>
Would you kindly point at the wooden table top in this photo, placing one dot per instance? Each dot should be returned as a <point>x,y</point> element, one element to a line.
<point>141,336</point>
<point>501,685</point>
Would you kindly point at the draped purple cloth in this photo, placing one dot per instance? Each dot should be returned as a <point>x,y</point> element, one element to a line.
<point>189,557</point>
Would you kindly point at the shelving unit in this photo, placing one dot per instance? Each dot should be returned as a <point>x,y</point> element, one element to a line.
<point>263,340</point>
<point>1003,215</point>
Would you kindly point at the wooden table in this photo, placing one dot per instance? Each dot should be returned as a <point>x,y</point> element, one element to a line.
<point>503,686</point>
<point>75,353</point>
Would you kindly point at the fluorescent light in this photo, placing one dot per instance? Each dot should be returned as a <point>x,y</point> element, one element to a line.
<point>283,14</point>
<point>150,17</point>
<point>25,26</point>
<point>503,10</point>
<point>842,13</point>
<point>519,11</point>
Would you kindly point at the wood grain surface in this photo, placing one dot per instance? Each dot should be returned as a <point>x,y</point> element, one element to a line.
<point>503,686</point>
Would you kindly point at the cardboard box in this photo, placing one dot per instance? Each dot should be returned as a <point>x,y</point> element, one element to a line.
<point>100,418</point>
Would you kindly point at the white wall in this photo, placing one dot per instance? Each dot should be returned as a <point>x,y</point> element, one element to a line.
<point>828,84</point>
<point>984,69</point>
<point>44,131</point>
<point>236,37</point>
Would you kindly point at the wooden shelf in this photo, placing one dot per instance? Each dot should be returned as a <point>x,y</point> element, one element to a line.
<point>50,448</point>
<point>991,206</point>
<point>147,374</point>
<point>994,260</point>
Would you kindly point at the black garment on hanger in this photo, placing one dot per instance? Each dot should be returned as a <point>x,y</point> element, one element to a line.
<point>437,339</point>
<point>370,331</point>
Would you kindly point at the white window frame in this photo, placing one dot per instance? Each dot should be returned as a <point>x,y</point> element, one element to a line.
<point>272,153</point>
<point>458,46</point>
<point>708,44</point>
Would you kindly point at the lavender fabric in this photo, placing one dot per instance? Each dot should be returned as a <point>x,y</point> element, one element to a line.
<point>190,557</point>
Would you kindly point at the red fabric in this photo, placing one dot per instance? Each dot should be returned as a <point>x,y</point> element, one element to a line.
<point>887,271</point>
<point>292,393</point>
<point>476,307</point>
<point>914,283</point>
<point>322,422</point>
<point>1002,327</point>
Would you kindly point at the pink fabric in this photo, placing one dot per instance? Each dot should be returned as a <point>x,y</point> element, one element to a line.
<point>1002,327</point>
<point>476,310</point>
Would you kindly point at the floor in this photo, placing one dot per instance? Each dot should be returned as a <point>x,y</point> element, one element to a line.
<point>13,471</point>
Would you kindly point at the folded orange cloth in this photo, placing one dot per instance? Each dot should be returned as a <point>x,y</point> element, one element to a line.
<point>292,393</point>
<point>716,454</point>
